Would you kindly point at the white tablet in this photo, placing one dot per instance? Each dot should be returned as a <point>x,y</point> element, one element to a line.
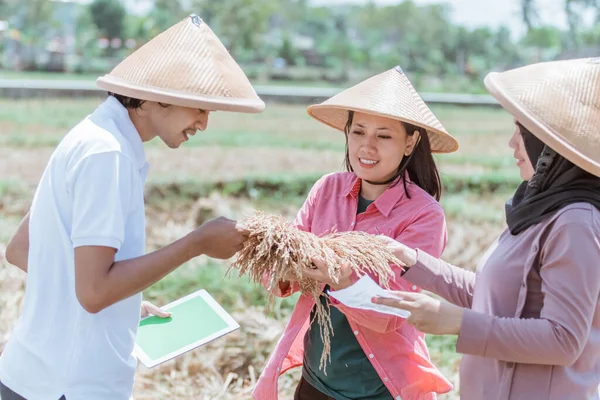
<point>196,319</point>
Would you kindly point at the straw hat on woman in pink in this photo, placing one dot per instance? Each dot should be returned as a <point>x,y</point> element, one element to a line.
<point>391,95</point>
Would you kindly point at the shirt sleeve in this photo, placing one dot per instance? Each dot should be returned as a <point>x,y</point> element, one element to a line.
<point>452,283</point>
<point>426,231</point>
<point>570,286</point>
<point>101,188</point>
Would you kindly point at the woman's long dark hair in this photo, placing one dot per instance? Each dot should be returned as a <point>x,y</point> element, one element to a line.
<point>420,165</point>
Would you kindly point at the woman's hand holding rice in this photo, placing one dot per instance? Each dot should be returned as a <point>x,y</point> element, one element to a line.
<point>320,273</point>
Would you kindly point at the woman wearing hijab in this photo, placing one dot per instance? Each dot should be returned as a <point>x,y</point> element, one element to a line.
<point>528,320</point>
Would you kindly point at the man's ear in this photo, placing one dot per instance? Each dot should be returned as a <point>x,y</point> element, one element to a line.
<point>143,110</point>
<point>411,142</point>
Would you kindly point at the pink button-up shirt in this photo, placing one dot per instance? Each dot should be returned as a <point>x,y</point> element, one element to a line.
<point>397,350</point>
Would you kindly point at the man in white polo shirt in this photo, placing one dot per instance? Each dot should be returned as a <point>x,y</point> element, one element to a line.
<point>83,241</point>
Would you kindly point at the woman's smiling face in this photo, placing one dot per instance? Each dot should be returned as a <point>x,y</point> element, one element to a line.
<point>377,145</point>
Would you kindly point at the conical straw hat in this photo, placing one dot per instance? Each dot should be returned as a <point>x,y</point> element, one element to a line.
<point>186,65</point>
<point>389,94</point>
<point>559,102</point>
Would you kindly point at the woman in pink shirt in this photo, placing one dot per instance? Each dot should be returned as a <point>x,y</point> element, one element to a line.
<point>391,188</point>
<point>528,319</point>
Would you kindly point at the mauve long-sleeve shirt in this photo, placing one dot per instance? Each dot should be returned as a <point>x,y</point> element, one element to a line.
<point>532,325</point>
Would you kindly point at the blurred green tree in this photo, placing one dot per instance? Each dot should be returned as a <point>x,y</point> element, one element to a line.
<point>529,13</point>
<point>31,20</point>
<point>164,14</point>
<point>574,10</point>
<point>241,25</point>
<point>109,17</point>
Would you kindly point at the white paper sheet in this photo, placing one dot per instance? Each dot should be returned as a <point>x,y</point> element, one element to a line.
<point>360,294</point>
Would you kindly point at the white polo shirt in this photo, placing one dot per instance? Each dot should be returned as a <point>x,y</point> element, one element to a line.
<point>91,194</point>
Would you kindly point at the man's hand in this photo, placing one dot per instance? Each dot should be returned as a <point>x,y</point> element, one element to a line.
<point>220,237</point>
<point>148,309</point>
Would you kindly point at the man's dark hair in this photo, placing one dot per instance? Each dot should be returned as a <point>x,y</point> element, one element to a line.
<point>127,102</point>
<point>132,103</point>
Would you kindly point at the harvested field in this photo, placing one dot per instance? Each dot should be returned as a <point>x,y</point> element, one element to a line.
<point>186,187</point>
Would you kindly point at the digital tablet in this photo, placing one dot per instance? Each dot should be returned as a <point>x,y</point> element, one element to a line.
<point>195,320</point>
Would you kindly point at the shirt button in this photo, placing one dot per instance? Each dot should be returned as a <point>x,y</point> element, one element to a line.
<point>385,379</point>
<point>398,398</point>
<point>414,287</point>
<point>510,364</point>
<point>352,224</point>
<point>534,248</point>
<point>371,356</point>
<point>355,333</point>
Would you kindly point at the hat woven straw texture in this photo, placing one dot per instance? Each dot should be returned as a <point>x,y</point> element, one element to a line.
<point>559,102</point>
<point>186,65</point>
<point>389,94</point>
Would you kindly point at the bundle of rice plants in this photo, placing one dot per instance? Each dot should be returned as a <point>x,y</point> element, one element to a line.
<point>276,251</point>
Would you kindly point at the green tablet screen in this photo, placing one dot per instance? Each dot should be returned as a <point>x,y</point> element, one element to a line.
<point>195,320</point>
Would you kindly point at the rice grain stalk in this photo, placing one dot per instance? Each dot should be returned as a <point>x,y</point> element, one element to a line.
<point>278,251</point>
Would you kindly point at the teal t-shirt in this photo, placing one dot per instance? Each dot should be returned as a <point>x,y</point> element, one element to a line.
<point>350,375</point>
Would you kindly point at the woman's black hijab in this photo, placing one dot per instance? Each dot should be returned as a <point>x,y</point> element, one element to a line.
<point>555,184</point>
